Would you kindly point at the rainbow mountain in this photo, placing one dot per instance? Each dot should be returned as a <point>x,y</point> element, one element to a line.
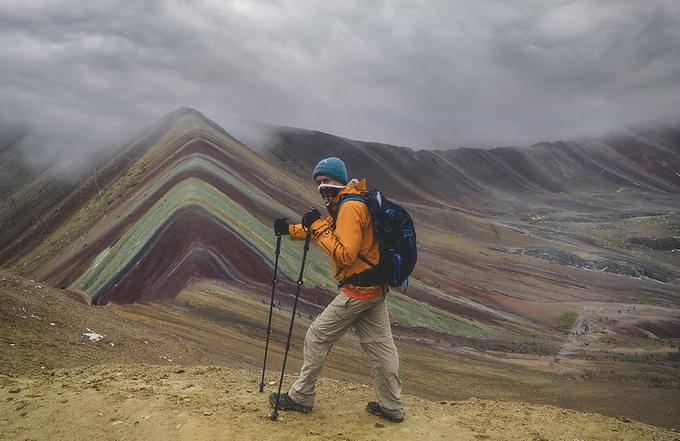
<point>514,242</point>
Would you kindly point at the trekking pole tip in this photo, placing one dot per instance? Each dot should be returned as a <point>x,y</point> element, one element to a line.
<point>275,415</point>
<point>261,387</point>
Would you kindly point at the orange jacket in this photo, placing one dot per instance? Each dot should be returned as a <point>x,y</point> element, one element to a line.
<point>353,235</point>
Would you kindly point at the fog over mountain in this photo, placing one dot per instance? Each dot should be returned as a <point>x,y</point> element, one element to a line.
<point>432,75</point>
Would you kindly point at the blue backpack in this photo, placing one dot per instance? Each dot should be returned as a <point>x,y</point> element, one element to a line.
<point>397,239</point>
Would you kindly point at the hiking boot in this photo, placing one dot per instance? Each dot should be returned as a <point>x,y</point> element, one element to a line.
<point>286,403</point>
<point>374,408</point>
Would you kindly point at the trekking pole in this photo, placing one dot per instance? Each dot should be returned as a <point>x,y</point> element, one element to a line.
<point>271,307</point>
<point>275,412</point>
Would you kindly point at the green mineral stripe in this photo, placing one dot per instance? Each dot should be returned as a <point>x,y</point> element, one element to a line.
<point>191,127</point>
<point>224,173</point>
<point>194,192</point>
<point>413,313</point>
<point>469,303</point>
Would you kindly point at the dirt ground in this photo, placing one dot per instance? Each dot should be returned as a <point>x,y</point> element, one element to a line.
<point>117,402</point>
<point>161,373</point>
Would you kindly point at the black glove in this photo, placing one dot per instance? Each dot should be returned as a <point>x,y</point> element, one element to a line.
<point>309,218</point>
<point>281,226</point>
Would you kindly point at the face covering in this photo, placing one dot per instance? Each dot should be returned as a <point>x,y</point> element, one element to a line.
<point>329,192</point>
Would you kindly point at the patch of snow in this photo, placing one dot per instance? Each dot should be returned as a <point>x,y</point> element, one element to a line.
<point>92,336</point>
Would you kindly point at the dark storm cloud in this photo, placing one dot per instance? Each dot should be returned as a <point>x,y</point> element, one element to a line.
<point>436,73</point>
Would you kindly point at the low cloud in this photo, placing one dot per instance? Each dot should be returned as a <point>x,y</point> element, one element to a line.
<point>437,74</point>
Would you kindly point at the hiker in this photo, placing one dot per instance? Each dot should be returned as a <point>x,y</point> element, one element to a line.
<point>347,236</point>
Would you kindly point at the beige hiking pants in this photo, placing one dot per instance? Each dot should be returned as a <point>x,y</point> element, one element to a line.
<point>372,322</point>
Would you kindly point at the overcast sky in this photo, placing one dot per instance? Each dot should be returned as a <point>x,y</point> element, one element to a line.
<point>418,73</point>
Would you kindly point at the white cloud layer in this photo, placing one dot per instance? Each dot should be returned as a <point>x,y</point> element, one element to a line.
<point>427,74</point>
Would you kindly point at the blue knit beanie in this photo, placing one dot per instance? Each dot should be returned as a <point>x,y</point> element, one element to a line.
<point>332,167</point>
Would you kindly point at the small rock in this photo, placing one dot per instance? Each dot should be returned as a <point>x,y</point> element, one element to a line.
<point>179,371</point>
<point>352,388</point>
<point>15,390</point>
<point>442,402</point>
<point>623,419</point>
<point>24,413</point>
<point>207,413</point>
<point>379,425</point>
<point>64,401</point>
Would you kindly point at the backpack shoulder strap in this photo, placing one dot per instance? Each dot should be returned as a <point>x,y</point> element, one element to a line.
<point>347,199</point>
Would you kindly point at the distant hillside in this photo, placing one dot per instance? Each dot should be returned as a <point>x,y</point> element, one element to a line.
<point>586,176</point>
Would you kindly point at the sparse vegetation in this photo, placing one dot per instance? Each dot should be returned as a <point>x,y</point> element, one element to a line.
<point>607,339</point>
<point>566,321</point>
